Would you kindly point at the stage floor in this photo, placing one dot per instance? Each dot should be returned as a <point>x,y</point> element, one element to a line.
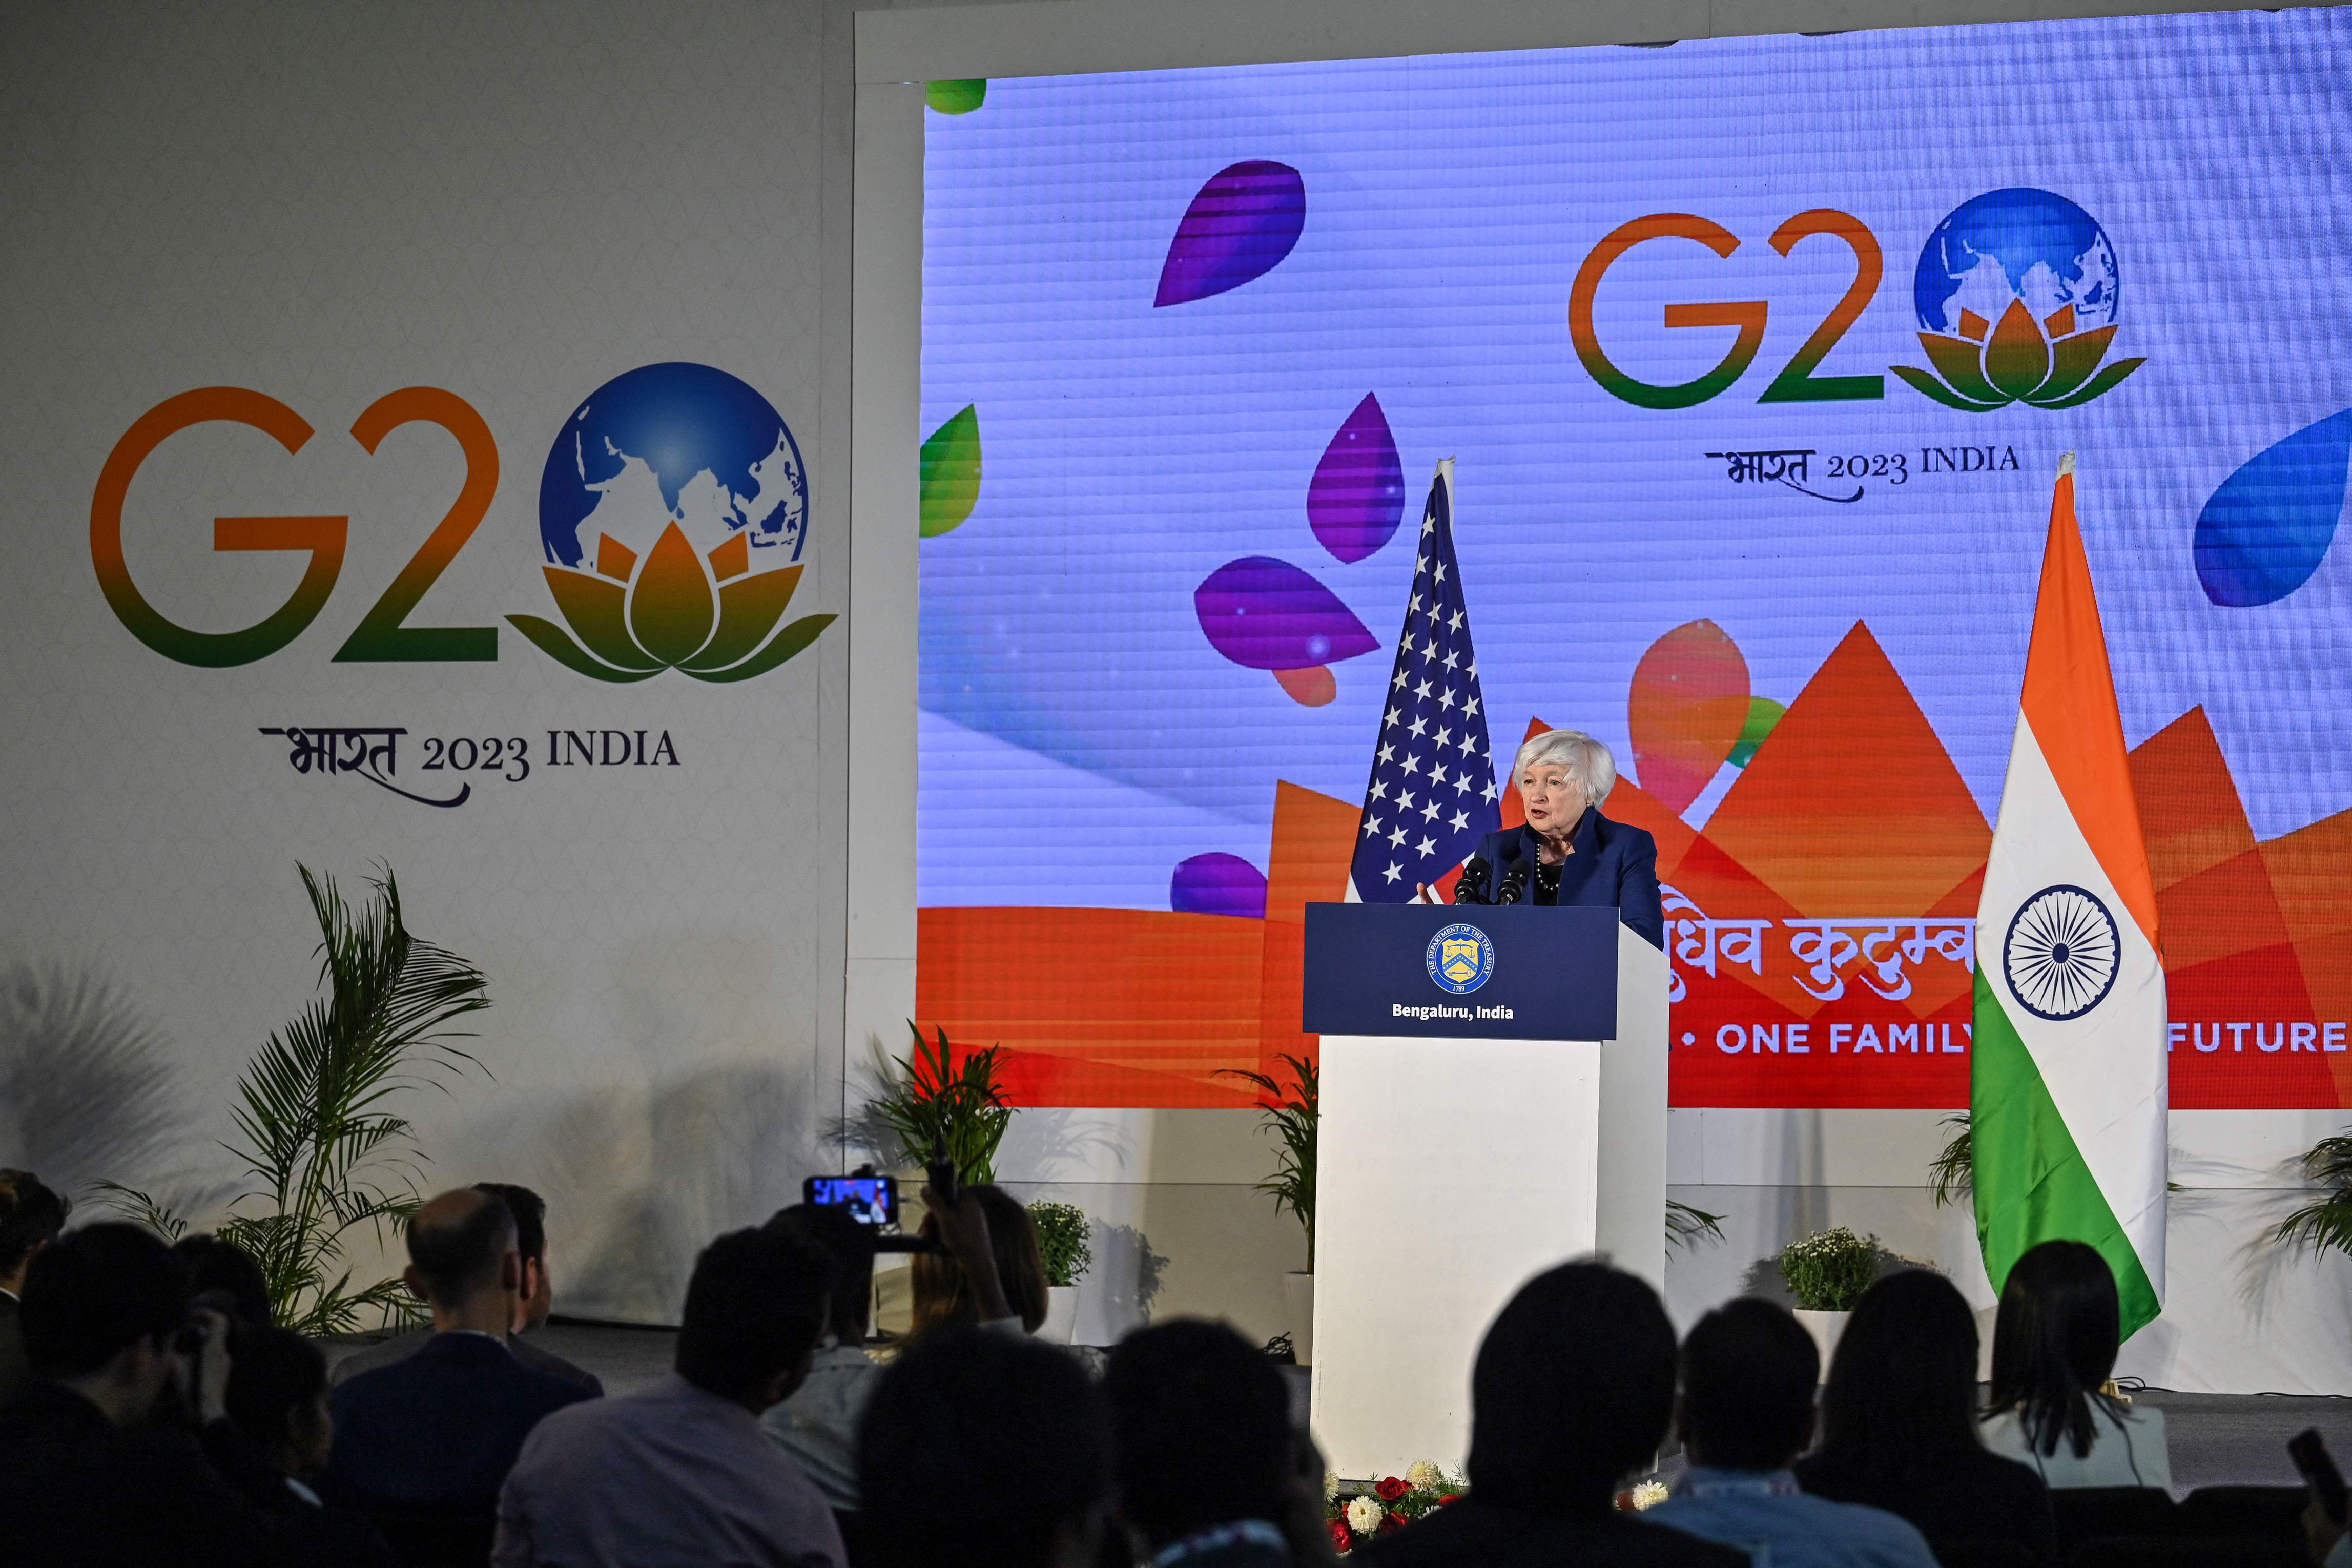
<point>2216,1440</point>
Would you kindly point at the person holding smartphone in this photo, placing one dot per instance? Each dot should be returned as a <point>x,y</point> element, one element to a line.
<point>98,1465</point>
<point>2324,1514</point>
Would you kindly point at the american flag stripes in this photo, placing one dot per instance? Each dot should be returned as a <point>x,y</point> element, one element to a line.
<point>1432,794</point>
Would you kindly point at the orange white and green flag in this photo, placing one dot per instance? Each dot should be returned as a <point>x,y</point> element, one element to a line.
<point>2067,1077</point>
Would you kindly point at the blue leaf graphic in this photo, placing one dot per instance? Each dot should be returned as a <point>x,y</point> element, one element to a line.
<point>2265,530</point>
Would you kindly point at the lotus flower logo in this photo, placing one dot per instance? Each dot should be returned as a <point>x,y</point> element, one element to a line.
<point>2016,294</point>
<point>668,455</point>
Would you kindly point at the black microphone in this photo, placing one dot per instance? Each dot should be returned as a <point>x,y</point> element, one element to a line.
<point>1515,883</point>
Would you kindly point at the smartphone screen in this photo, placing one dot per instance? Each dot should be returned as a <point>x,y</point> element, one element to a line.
<point>2309,1451</point>
<point>870,1200</point>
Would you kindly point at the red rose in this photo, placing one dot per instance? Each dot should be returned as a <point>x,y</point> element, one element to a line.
<point>1340,1538</point>
<point>1391,1489</point>
<point>1449,1497</point>
<point>1395,1521</point>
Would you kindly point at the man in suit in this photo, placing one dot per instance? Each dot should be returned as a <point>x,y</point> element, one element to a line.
<point>1568,853</point>
<point>31,1216</point>
<point>121,1451</point>
<point>438,1430</point>
<point>537,1302</point>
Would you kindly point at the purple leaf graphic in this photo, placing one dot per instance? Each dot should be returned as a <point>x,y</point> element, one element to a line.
<point>1268,614</point>
<point>1356,496</point>
<point>1217,884</point>
<point>1242,223</point>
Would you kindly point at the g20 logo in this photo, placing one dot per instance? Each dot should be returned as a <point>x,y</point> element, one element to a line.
<point>691,483</point>
<point>2015,293</point>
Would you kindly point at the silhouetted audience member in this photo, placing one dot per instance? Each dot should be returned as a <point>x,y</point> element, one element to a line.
<point>91,1471</point>
<point>224,1276</point>
<point>1570,1394</point>
<point>817,1423</point>
<point>1899,1422</point>
<point>1201,1424</point>
<point>680,1472</point>
<point>983,1450</point>
<point>536,1301</point>
<point>2053,1347</point>
<point>952,1291</point>
<point>31,1216</point>
<point>276,1396</point>
<point>1746,1413</point>
<point>438,1430</point>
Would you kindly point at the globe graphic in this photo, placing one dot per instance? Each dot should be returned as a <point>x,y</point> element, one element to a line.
<point>2016,244</point>
<point>674,443</point>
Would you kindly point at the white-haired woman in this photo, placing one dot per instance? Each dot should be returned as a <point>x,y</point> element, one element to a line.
<point>1568,853</point>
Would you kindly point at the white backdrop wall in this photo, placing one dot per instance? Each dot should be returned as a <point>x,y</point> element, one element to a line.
<point>514,203</point>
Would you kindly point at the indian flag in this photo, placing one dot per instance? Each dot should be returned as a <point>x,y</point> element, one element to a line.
<point>2067,1077</point>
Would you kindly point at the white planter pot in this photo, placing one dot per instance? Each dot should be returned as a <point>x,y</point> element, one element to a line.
<point>1061,1324</point>
<point>1826,1328</point>
<point>1299,1290</point>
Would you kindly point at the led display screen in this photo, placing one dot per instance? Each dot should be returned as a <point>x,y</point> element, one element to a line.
<point>1756,360</point>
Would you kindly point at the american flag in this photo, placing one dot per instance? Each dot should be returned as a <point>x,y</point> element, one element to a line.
<point>1432,795</point>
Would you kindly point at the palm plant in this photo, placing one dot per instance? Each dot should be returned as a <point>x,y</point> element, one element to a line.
<point>931,1102</point>
<point>1291,1117</point>
<point>326,1153</point>
<point>2327,1221</point>
<point>1952,1174</point>
<point>1685,1226</point>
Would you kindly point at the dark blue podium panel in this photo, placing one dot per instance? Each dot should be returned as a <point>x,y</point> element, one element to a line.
<point>1502,972</point>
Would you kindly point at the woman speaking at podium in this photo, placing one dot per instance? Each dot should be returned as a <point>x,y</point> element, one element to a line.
<point>1568,853</point>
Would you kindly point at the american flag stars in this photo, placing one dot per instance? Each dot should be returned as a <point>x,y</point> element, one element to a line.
<point>1432,794</point>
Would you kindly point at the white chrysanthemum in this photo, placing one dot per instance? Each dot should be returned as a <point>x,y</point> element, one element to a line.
<point>1424,1476</point>
<point>1330,1485</point>
<point>1364,1514</point>
<point>1648,1495</point>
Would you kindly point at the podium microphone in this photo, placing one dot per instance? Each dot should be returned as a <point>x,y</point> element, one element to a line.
<point>1515,883</point>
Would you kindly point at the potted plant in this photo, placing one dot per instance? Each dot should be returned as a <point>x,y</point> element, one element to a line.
<point>1827,1272</point>
<point>2324,1223</point>
<point>324,1151</point>
<point>1063,1247</point>
<point>932,1100</point>
<point>1289,1115</point>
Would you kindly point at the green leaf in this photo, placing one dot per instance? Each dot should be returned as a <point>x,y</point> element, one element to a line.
<point>956,96</point>
<point>554,642</point>
<point>1922,381</point>
<point>951,471</point>
<point>2100,384</point>
<point>788,642</point>
<point>1762,715</point>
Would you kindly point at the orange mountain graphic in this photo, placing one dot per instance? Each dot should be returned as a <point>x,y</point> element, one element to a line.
<point>1850,807</point>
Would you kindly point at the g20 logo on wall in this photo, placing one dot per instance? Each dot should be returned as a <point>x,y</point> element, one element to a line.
<point>673,512</point>
<point>2015,291</point>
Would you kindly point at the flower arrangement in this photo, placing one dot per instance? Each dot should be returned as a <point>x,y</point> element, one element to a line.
<point>1390,1503</point>
<point>1062,1244</point>
<point>1828,1270</point>
<point>1642,1496</point>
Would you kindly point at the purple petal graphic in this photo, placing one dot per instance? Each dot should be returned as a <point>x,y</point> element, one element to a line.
<point>1217,884</point>
<point>1356,496</point>
<point>1268,614</point>
<point>1242,222</point>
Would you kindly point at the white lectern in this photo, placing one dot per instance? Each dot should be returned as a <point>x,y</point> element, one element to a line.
<point>1466,1146</point>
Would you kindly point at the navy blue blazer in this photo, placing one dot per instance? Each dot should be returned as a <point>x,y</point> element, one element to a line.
<point>441,1428</point>
<point>1614,863</point>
